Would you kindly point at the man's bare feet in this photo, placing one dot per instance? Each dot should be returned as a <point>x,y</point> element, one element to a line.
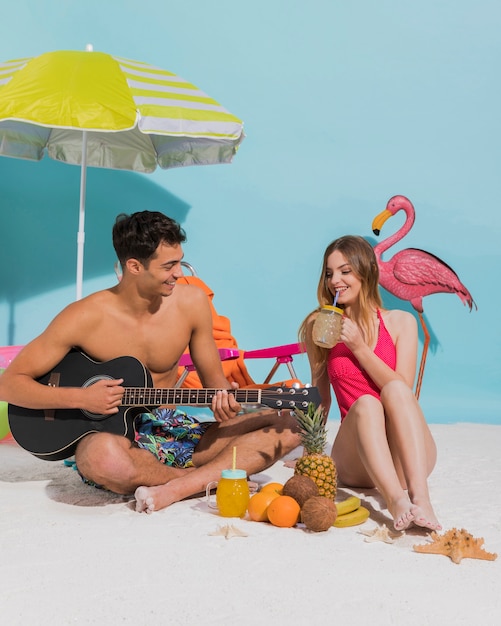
<point>144,501</point>
<point>150,499</point>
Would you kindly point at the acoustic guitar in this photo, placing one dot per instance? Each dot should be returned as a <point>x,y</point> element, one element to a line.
<point>53,434</point>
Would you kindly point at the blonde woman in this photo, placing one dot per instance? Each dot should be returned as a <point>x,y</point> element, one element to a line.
<point>383,440</point>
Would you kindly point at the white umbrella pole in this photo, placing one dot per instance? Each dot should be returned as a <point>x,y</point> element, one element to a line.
<point>81,217</point>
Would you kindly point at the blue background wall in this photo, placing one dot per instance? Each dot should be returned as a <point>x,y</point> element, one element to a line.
<point>345,104</point>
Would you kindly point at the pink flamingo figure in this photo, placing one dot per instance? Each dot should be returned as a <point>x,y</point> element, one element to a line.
<point>412,274</point>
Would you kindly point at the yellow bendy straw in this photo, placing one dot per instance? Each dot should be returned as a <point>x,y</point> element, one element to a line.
<point>234,457</point>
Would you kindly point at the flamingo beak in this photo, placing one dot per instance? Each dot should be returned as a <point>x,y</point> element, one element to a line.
<point>379,220</point>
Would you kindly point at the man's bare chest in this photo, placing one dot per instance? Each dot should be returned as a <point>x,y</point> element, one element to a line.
<point>158,344</point>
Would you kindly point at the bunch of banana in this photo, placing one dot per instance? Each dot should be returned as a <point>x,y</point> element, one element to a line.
<point>350,513</point>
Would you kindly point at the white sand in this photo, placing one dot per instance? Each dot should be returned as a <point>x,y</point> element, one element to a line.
<point>73,555</point>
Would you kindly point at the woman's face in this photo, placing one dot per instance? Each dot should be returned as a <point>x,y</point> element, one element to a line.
<point>340,278</point>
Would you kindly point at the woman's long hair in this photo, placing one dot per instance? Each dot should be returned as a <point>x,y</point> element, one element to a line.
<point>360,255</point>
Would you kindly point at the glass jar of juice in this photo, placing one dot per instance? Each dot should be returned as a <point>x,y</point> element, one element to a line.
<point>327,326</point>
<point>232,493</point>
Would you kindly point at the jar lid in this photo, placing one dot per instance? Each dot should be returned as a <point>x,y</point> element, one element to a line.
<point>233,473</point>
<point>329,307</point>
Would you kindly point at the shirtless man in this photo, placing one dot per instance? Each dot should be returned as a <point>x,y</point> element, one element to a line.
<point>148,316</point>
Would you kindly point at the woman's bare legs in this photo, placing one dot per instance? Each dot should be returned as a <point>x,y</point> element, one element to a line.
<point>413,448</point>
<point>363,458</point>
<point>387,444</point>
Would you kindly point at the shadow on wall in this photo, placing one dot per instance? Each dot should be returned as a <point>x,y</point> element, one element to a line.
<point>39,205</point>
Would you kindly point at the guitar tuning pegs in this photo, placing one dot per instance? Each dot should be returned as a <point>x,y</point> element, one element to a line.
<point>295,385</point>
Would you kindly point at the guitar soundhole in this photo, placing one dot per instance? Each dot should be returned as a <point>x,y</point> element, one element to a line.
<point>88,383</point>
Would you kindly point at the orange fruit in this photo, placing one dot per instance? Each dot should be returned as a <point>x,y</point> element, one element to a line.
<point>276,487</point>
<point>283,511</point>
<point>258,505</point>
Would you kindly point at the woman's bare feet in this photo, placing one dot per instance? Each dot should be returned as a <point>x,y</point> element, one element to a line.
<point>405,513</point>
<point>424,516</point>
<point>401,511</point>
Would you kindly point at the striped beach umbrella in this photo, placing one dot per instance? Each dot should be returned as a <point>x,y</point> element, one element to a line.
<point>89,108</point>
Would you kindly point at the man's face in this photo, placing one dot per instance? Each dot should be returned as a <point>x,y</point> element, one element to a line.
<point>163,269</point>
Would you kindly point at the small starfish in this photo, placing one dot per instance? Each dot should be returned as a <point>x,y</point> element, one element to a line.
<point>228,531</point>
<point>457,545</point>
<point>380,533</point>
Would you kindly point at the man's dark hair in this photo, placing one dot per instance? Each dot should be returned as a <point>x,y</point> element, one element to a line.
<point>137,236</point>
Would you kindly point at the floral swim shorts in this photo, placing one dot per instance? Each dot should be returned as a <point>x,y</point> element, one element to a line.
<point>169,434</point>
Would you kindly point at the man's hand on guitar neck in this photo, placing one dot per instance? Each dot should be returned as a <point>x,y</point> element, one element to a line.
<point>224,406</point>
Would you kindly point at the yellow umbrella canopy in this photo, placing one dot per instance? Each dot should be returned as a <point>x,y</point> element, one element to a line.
<point>92,108</point>
<point>136,115</point>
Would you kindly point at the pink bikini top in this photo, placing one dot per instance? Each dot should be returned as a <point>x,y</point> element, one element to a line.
<point>348,379</point>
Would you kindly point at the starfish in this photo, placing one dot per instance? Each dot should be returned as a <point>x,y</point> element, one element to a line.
<point>380,533</point>
<point>457,545</point>
<point>228,531</point>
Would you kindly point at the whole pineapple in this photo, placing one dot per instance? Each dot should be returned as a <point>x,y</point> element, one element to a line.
<point>314,463</point>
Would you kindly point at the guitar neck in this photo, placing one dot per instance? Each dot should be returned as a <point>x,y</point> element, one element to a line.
<point>140,396</point>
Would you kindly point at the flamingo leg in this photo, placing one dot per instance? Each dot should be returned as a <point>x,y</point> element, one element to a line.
<point>423,354</point>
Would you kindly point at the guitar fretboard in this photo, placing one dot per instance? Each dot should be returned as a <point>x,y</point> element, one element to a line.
<point>134,396</point>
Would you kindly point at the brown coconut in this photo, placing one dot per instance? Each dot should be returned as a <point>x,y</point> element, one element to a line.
<point>300,488</point>
<point>318,513</point>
